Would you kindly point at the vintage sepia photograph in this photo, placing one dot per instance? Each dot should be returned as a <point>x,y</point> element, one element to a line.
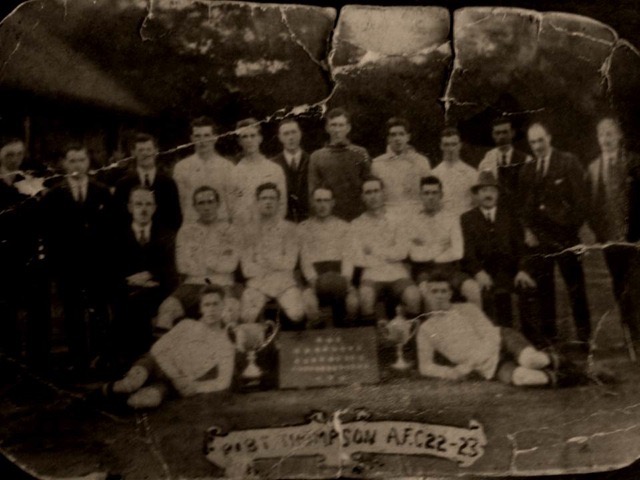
<point>311,241</point>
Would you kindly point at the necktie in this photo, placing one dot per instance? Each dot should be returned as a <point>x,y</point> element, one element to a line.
<point>147,180</point>
<point>294,163</point>
<point>503,160</point>
<point>488,215</point>
<point>541,168</point>
<point>79,193</point>
<point>142,237</point>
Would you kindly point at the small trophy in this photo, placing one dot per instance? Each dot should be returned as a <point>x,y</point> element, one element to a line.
<point>251,338</point>
<point>399,331</point>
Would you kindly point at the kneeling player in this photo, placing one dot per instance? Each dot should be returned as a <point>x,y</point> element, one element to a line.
<point>195,356</point>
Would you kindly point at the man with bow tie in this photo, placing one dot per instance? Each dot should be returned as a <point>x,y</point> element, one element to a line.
<point>553,210</point>
<point>148,175</point>
<point>613,185</point>
<point>295,164</point>
<point>146,261</point>
<point>493,243</point>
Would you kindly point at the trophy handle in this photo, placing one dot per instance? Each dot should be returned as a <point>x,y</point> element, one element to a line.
<point>275,328</point>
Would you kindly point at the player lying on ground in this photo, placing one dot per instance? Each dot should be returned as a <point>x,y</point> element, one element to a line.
<point>466,337</point>
<point>195,356</point>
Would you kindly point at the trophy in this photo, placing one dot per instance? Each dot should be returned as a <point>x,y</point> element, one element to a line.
<point>251,338</point>
<point>399,331</point>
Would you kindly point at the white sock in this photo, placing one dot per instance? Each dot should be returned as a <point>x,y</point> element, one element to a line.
<point>132,381</point>
<point>528,377</point>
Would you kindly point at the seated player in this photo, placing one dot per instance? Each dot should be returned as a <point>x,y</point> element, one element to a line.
<point>327,263</point>
<point>466,337</point>
<point>207,253</point>
<point>436,244</point>
<point>380,250</point>
<point>195,356</point>
<point>146,258</point>
<point>493,246</point>
<point>268,260</point>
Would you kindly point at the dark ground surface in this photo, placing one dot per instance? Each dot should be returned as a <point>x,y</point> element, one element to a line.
<point>55,431</point>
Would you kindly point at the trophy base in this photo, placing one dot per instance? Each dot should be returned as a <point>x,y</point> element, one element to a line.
<point>401,366</point>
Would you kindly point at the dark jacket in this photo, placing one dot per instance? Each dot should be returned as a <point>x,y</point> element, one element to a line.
<point>495,247</point>
<point>168,212</point>
<point>554,206</point>
<point>297,187</point>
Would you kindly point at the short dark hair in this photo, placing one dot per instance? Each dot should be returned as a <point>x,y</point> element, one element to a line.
<point>205,188</point>
<point>249,122</point>
<point>398,122</point>
<point>73,146</point>
<point>9,140</point>
<point>372,178</point>
<point>323,187</point>
<point>267,186</point>
<point>141,188</point>
<point>204,121</point>
<point>212,289</point>
<point>430,180</point>
<point>450,132</point>
<point>287,120</point>
<point>439,278</point>
<point>143,137</point>
<point>503,120</point>
<point>539,123</point>
<point>337,112</point>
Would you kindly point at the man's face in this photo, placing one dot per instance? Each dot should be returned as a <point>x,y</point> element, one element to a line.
<point>142,206</point>
<point>146,154</point>
<point>250,139</point>
<point>76,162</point>
<point>372,195</point>
<point>323,203</point>
<point>609,135</point>
<point>206,206</point>
<point>268,203</point>
<point>439,295</point>
<point>211,308</point>
<point>502,134</point>
<point>487,196</point>
<point>431,196</point>
<point>398,138</point>
<point>11,156</point>
<point>338,128</point>
<point>450,147</point>
<point>203,138</point>
<point>290,136</point>
<point>539,141</point>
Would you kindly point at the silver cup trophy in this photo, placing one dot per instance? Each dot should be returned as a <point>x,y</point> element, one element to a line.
<point>399,331</point>
<point>251,338</point>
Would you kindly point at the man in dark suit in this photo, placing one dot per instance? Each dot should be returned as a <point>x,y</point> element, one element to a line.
<point>613,185</point>
<point>504,162</point>
<point>146,261</point>
<point>553,210</point>
<point>24,283</point>
<point>295,164</point>
<point>78,216</point>
<point>493,244</point>
<point>147,174</point>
